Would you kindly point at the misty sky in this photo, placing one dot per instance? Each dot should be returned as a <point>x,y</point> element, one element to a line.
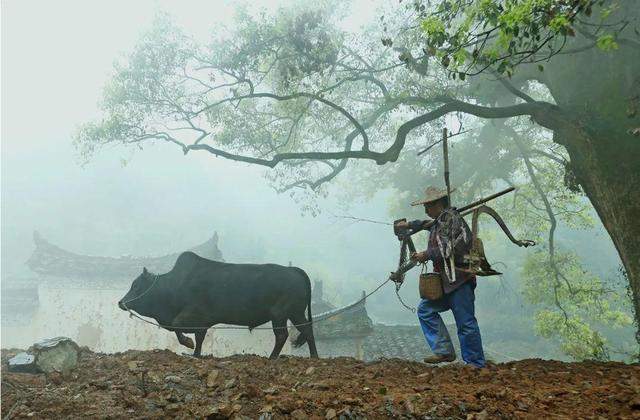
<point>56,57</point>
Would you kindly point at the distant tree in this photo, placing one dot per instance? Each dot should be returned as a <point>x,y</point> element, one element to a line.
<point>295,93</point>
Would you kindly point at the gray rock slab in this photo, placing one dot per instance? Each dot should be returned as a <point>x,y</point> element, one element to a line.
<point>59,354</point>
<point>23,362</point>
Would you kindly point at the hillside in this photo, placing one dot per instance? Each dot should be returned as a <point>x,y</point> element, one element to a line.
<point>144,384</point>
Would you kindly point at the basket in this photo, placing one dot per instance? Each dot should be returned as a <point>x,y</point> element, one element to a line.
<point>430,286</point>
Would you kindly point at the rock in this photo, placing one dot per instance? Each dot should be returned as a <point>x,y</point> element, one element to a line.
<point>173,378</point>
<point>221,411</point>
<point>331,414</point>
<point>320,386</point>
<point>154,377</point>
<point>409,407</point>
<point>299,415</point>
<point>253,391</point>
<point>58,354</point>
<point>230,383</point>
<point>271,391</point>
<point>267,409</point>
<point>133,365</point>
<point>212,378</point>
<point>55,377</point>
<point>309,370</point>
<point>23,362</point>
<point>173,407</point>
<point>483,415</point>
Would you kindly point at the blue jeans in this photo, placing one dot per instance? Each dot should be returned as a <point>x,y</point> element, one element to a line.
<point>461,303</point>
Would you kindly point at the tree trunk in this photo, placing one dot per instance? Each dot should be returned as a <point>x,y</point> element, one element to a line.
<point>599,94</point>
<point>608,169</point>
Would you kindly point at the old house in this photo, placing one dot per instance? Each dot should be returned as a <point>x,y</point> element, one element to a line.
<point>349,331</point>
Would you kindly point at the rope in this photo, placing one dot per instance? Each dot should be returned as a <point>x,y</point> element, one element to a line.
<point>231,327</point>
<point>406,246</point>
<point>411,308</point>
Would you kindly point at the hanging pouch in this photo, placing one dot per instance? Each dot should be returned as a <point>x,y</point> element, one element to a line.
<point>430,285</point>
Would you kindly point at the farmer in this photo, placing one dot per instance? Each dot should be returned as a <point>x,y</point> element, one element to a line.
<point>449,236</point>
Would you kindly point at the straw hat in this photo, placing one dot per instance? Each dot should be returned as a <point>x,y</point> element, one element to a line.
<point>431,194</point>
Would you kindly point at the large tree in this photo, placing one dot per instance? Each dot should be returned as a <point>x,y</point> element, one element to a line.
<point>296,93</point>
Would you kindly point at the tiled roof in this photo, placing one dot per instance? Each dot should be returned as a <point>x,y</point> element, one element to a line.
<point>391,341</point>
<point>51,260</point>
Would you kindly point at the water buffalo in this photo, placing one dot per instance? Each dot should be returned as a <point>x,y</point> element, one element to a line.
<point>199,293</point>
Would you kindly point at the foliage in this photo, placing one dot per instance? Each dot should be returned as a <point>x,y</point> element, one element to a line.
<point>469,37</point>
<point>572,310</point>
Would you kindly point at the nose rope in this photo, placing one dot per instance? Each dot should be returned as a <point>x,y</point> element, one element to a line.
<point>155,280</point>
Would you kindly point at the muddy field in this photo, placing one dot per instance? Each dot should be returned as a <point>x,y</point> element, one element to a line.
<point>151,384</point>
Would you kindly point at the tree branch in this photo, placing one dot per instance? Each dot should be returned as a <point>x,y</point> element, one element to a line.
<point>268,95</point>
<point>544,113</point>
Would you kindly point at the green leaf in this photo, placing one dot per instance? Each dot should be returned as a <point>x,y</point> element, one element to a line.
<point>607,43</point>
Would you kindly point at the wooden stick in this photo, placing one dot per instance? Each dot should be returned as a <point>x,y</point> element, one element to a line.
<point>484,200</point>
<point>445,152</point>
<point>470,207</point>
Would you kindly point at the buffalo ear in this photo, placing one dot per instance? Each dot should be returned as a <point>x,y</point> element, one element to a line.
<point>144,270</point>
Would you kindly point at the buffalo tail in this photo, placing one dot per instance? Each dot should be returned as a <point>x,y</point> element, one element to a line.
<point>302,338</point>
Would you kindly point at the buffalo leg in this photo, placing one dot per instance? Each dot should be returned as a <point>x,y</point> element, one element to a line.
<point>281,333</point>
<point>306,329</point>
<point>184,340</point>
<point>200,334</point>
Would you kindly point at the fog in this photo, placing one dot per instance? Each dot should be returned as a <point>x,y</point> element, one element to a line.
<point>56,59</point>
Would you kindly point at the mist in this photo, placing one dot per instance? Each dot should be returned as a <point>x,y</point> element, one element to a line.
<point>154,200</point>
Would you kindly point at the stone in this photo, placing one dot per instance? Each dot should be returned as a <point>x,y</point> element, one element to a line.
<point>173,378</point>
<point>483,415</point>
<point>59,354</point>
<point>299,415</point>
<point>309,370</point>
<point>23,363</point>
<point>253,391</point>
<point>409,407</point>
<point>230,383</point>
<point>212,378</point>
<point>331,414</point>
<point>271,391</point>
<point>322,386</point>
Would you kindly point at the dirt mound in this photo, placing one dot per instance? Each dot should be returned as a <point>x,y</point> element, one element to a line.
<point>145,384</point>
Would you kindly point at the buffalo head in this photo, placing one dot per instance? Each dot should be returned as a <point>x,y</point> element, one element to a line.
<point>135,299</point>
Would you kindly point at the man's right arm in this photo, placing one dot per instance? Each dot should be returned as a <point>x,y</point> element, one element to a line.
<point>416,225</point>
